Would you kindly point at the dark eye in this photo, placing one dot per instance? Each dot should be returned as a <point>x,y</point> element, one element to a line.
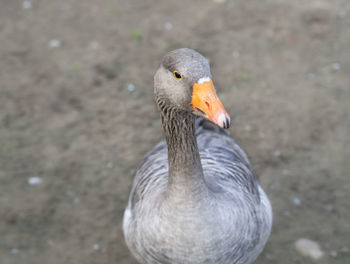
<point>177,75</point>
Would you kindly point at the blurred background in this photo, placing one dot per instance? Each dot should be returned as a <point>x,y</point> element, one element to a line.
<point>77,116</point>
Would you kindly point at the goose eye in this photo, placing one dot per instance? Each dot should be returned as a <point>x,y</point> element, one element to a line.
<point>177,75</point>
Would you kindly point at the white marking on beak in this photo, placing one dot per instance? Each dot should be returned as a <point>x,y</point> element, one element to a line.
<point>203,80</point>
<point>223,121</point>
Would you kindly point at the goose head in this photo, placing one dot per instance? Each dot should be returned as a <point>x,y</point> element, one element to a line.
<point>183,82</point>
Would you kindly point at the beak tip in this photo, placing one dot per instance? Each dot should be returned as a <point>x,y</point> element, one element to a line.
<point>224,121</point>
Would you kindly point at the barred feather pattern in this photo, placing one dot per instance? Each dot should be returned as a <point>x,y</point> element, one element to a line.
<point>230,223</point>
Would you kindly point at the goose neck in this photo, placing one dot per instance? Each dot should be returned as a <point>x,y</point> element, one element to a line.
<point>185,169</point>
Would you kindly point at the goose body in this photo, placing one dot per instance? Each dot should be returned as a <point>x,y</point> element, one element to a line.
<point>194,198</point>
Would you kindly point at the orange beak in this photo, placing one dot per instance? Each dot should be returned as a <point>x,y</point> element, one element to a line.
<point>206,103</point>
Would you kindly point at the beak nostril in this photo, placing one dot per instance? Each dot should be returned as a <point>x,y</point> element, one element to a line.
<point>208,105</point>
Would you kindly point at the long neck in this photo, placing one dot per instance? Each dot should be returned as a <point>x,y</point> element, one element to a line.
<point>185,169</point>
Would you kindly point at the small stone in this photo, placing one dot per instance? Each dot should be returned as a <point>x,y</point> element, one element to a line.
<point>333,253</point>
<point>263,84</point>
<point>54,43</point>
<point>131,87</point>
<point>14,250</point>
<point>27,5</point>
<point>94,45</point>
<point>286,172</point>
<point>96,247</point>
<point>342,14</point>
<point>76,200</point>
<point>235,54</point>
<point>168,26</point>
<point>268,256</point>
<point>336,66</point>
<point>329,208</point>
<point>344,250</point>
<point>308,248</point>
<point>248,128</point>
<point>254,96</point>
<point>325,69</point>
<point>296,201</point>
<point>286,213</point>
<point>311,76</point>
<point>35,180</point>
<point>110,165</point>
<point>276,153</point>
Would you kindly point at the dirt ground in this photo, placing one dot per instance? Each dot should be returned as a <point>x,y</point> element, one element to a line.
<point>77,114</point>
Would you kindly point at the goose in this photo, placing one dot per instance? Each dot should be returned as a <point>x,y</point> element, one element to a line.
<point>194,198</point>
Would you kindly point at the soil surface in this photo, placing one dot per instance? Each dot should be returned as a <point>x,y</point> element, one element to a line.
<point>77,116</point>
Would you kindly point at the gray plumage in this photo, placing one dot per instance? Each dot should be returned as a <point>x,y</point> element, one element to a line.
<point>194,198</point>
